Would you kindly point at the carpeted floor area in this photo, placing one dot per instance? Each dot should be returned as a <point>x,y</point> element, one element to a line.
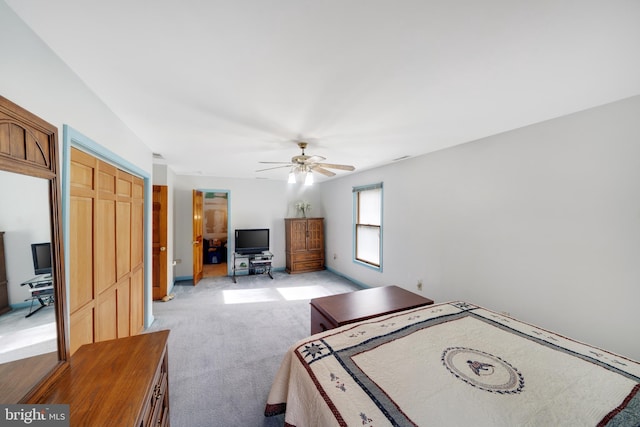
<point>227,341</point>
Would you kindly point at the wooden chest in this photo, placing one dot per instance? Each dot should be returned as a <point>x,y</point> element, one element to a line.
<point>337,310</point>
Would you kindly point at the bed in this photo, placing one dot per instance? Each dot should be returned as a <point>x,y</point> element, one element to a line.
<point>454,364</point>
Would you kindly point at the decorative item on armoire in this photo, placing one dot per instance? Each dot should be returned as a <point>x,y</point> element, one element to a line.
<point>303,207</point>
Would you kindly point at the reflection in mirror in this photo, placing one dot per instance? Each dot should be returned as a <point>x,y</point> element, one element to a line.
<point>28,319</point>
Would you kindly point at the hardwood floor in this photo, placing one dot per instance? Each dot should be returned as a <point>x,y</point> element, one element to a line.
<point>214,270</point>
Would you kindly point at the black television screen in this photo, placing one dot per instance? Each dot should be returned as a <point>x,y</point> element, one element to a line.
<point>252,241</point>
<point>41,253</point>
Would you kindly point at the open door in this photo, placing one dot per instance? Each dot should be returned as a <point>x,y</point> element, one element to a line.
<point>198,202</point>
<point>160,262</point>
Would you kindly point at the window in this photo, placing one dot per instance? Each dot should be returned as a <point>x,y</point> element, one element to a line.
<point>367,203</point>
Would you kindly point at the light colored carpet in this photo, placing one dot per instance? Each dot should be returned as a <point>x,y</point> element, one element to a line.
<point>23,336</point>
<point>227,341</point>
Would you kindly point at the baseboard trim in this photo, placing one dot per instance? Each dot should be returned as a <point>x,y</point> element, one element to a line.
<point>190,278</point>
<point>351,279</point>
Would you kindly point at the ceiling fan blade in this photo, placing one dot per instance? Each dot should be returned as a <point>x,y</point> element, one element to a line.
<point>278,163</point>
<point>340,167</point>
<point>323,171</point>
<point>275,167</point>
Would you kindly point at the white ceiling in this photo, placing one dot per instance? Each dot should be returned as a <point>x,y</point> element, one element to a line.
<point>217,86</point>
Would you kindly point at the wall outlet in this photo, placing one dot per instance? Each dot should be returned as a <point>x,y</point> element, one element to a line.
<point>419,285</point>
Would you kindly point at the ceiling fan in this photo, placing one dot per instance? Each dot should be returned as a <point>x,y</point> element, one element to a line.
<point>305,164</point>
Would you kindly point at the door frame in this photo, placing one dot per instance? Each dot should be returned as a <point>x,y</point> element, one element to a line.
<point>228,193</point>
<point>73,138</point>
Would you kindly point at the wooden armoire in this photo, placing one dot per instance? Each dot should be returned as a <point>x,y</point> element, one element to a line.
<point>304,250</point>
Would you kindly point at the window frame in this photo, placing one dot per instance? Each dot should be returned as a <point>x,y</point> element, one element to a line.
<point>356,225</point>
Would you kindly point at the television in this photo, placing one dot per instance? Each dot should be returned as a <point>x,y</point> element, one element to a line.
<point>252,241</point>
<point>41,253</point>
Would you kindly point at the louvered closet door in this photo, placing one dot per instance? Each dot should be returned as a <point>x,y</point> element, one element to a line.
<point>82,301</point>
<point>106,248</point>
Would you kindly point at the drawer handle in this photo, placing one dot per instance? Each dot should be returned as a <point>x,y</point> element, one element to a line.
<point>156,391</point>
<point>323,327</point>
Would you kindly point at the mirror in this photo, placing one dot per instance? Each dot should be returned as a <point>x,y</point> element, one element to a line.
<point>28,322</point>
<point>33,338</point>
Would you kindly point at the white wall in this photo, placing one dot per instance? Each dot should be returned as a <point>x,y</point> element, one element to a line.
<point>33,77</point>
<point>253,203</point>
<point>542,222</point>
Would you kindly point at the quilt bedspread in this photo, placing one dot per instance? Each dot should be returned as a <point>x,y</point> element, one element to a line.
<point>452,364</point>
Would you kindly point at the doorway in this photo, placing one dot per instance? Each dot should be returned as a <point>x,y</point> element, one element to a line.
<point>215,234</point>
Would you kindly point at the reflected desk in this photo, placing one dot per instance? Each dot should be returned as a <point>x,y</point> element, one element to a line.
<point>41,288</point>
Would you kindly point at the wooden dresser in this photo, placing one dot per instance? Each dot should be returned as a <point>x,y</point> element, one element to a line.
<point>337,310</point>
<point>122,382</point>
<point>304,244</point>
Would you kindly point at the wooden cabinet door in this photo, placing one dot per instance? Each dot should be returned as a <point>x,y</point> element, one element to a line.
<point>298,235</point>
<point>315,235</point>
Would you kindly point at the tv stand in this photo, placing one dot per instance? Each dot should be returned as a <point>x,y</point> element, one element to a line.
<point>259,263</point>
<point>41,288</point>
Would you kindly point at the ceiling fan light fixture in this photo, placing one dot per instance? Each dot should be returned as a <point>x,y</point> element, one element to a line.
<point>308,180</point>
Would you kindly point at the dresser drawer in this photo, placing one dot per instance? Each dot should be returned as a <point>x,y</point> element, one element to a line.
<point>306,256</point>
<point>308,265</point>
<point>320,323</point>
<point>157,407</point>
<point>165,418</point>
